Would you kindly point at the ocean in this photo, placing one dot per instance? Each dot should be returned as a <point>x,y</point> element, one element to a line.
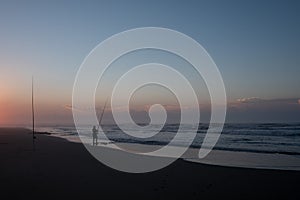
<point>268,142</point>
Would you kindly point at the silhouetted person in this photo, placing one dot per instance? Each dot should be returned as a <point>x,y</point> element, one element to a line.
<point>95,136</point>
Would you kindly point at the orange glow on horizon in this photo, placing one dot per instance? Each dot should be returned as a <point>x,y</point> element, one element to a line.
<point>2,103</point>
<point>3,111</point>
<point>13,107</point>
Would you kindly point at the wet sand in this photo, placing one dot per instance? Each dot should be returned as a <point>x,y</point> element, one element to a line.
<point>62,169</point>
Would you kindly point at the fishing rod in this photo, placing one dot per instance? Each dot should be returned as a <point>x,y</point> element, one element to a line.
<point>32,110</point>
<point>102,113</point>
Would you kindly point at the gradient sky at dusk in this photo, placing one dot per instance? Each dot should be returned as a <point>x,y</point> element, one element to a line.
<point>255,44</point>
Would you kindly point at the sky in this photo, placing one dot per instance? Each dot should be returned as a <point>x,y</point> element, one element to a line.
<point>255,45</point>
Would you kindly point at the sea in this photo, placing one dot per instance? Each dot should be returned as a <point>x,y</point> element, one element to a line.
<point>255,145</point>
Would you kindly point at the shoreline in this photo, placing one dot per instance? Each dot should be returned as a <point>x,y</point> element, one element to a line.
<point>226,158</point>
<point>59,168</point>
<point>255,160</point>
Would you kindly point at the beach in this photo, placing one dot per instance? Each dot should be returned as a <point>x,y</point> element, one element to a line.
<point>58,168</point>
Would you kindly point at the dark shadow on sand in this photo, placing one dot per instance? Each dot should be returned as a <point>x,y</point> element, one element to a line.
<point>59,168</point>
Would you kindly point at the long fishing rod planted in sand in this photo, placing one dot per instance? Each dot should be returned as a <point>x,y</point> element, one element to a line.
<point>32,111</point>
<point>101,116</point>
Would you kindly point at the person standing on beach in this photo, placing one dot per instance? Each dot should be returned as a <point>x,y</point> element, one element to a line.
<point>95,135</point>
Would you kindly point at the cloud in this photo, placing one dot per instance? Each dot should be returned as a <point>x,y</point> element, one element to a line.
<point>257,100</point>
<point>250,100</point>
<point>68,107</point>
<point>256,109</point>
